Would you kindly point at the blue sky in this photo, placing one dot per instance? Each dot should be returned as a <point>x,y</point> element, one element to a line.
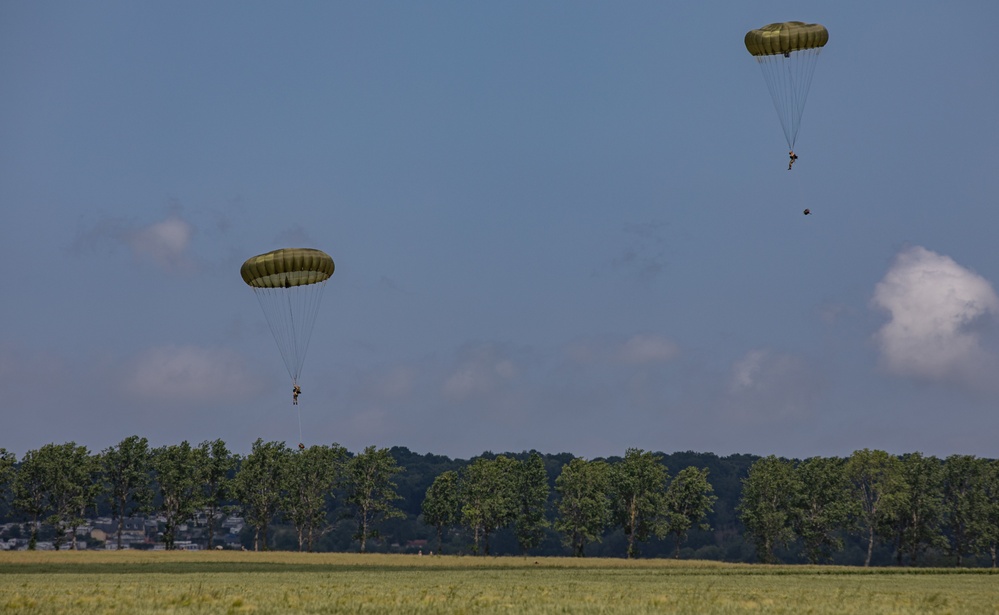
<point>565,226</point>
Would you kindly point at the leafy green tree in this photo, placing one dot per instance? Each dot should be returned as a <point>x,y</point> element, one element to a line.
<point>766,508</point>
<point>689,500</point>
<point>258,485</point>
<point>964,478</point>
<point>638,503</point>
<point>29,491</point>
<point>7,461</point>
<point>63,476</point>
<point>216,464</point>
<point>312,475</point>
<point>371,491</point>
<point>876,485</point>
<point>441,505</point>
<point>989,538</point>
<point>532,501</point>
<point>58,480</point>
<point>822,506</point>
<point>916,515</point>
<point>127,479</point>
<point>80,486</point>
<point>488,497</point>
<point>180,483</point>
<point>583,503</point>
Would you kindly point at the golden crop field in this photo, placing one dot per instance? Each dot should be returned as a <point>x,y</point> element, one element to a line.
<point>280,582</point>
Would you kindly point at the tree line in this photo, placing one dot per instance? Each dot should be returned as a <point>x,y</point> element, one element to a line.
<point>915,505</point>
<point>871,507</point>
<point>635,494</point>
<point>57,485</point>
<point>312,489</point>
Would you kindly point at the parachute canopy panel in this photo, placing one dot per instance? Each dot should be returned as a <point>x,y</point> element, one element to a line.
<point>784,37</point>
<point>287,267</point>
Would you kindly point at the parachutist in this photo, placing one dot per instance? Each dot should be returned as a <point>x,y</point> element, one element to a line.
<point>301,446</point>
<point>786,53</point>
<point>807,212</point>
<point>793,157</point>
<point>295,392</point>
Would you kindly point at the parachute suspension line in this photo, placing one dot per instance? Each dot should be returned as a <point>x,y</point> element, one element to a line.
<point>788,79</point>
<point>308,310</point>
<point>293,338</point>
<point>291,314</point>
<point>800,70</point>
<point>810,58</point>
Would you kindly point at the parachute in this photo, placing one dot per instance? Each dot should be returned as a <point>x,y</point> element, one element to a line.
<point>787,53</point>
<point>289,284</point>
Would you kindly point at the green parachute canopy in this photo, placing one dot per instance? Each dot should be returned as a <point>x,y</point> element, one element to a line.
<point>287,267</point>
<point>785,37</point>
<point>289,284</point>
<point>787,53</point>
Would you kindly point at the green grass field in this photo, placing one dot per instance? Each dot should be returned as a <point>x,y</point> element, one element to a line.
<point>280,582</point>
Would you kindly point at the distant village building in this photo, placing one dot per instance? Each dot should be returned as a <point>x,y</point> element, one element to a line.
<point>137,533</point>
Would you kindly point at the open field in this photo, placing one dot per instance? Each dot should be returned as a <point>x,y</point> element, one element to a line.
<point>281,582</point>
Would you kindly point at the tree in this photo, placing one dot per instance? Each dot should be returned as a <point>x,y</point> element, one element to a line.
<point>989,540</point>
<point>689,499</point>
<point>258,486</point>
<point>915,518</point>
<point>964,478</point>
<point>488,497</point>
<point>532,500</point>
<point>441,505</point>
<point>126,476</point>
<point>7,461</point>
<point>216,464</point>
<point>583,505</point>
<point>767,505</point>
<point>638,503</point>
<point>370,491</point>
<point>822,507</point>
<point>312,475</point>
<point>29,492</point>
<point>73,488</point>
<point>179,479</point>
<point>876,484</point>
<point>57,479</point>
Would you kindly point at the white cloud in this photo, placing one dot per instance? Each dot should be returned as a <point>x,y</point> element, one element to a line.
<point>165,243</point>
<point>639,349</point>
<point>746,372</point>
<point>766,370</point>
<point>189,373</point>
<point>647,348</point>
<point>480,370</point>
<point>765,384</point>
<point>934,305</point>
